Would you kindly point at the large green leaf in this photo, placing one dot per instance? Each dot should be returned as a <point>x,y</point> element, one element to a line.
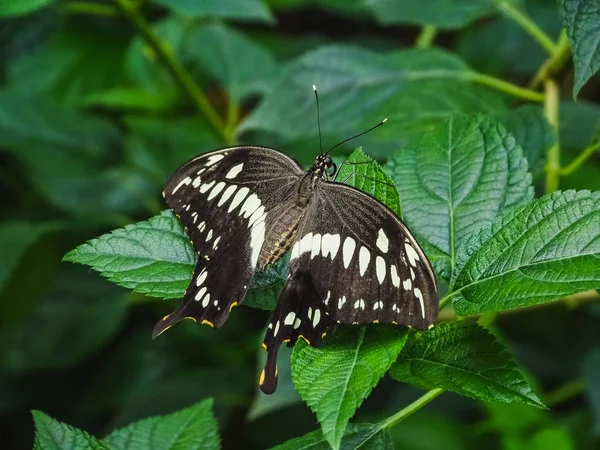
<point>71,158</point>
<point>51,434</point>
<point>191,428</point>
<point>440,13</point>
<point>363,436</point>
<point>335,379</point>
<point>20,7</point>
<point>246,10</point>
<point>465,358</point>
<point>458,179</point>
<point>414,89</point>
<point>536,253</point>
<point>240,65</point>
<point>581,19</point>
<point>76,316</point>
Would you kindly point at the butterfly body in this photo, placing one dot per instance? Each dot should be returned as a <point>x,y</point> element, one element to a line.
<point>352,260</point>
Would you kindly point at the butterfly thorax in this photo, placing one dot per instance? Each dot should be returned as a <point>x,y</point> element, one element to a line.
<point>282,232</point>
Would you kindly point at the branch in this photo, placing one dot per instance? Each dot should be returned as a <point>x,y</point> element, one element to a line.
<point>527,24</point>
<point>179,74</point>
<point>426,37</point>
<point>412,408</point>
<point>551,102</point>
<point>583,156</point>
<point>554,63</point>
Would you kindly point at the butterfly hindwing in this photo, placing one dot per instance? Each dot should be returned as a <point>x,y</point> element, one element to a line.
<point>223,198</point>
<point>363,261</point>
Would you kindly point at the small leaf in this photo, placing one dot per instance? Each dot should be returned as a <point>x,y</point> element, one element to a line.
<point>335,379</point>
<point>241,66</point>
<point>191,428</point>
<point>458,179</point>
<point>363,436</point>
<point>362,172</point>
<point>591,371</point>
<point>465,358</point>
<point>539,252</point>
<point>53,435</point>
<point>21,7</point>
<point>247,10</point>
<point>153,257</point>
<point>581,19</point>
<point>440,13</point>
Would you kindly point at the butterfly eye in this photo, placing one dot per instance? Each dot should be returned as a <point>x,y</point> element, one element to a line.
<point>332,168</point>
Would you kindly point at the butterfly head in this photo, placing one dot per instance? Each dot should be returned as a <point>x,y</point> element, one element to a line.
<point>324,167</point>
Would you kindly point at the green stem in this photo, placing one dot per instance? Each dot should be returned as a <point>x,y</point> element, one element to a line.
<point>584,155</point>
<point>527,24</point>
<point>504,86</point>
<point>96,9</point>
<point>426,36</point>
<point>565,392</point>
<point>233,116</point>
<point>551,103</point>
<point>554,63</point>
<point>412,408</point>
<point>179,74</point>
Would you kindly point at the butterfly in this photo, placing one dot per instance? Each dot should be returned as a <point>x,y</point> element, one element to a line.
<point>353,261</point>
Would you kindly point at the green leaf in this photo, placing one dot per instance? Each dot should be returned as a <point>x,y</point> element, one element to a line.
<point>246,10</point>
<point>414,89</point>
<point>76,316</point>
<point>241,66</point>
<point>580,19</point>
<point>51,434</point>
<point>539,252</point>
<point>335,379</point>
<point>458,179</point>
<point>440,13</point>
<point>551,439</point>
<point>152,257</point>
<point>15,238</point>
<point>191,428</point>
<point>362,172</point>
<point>532,133</point>
<point>21,7</point>
<point>591,371</point>
<point>465,358</point>
<point>365,436</point>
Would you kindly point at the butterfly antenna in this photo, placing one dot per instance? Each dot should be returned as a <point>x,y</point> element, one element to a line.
<point>354,137</point>
<point>318,118</point>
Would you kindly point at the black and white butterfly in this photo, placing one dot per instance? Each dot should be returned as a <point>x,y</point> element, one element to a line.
<point>353,261</point>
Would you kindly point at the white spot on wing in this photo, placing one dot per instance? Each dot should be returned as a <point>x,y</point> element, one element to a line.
<point>305,244</point>
<point>341,302</point>
<point>216,242</point>
<point>364,256</point>
<point>348,250</point>
<point>241,195</point>
<point>234,171</point>
<point>297,323</point>
<point>206,300</point>
<point>295,250</point>
<point>201,278</point>
<point>200,293</point>
<point>256,216</point>
<point>215,191</point>
<point>380,268</point>
<point>419,295</point>
<point>196,182</point>
<point>214,159</point>
<point>316,246</point>
<point>251,204</point>
<point>377,305</point>
<point>289,319</point>
<point>316,318</point>
<point>309,312</point>
<point>228,193</point>
<point>413,257</point>
<point>394,275</point>
<point>326,301</point>
<point>407,284</point>
<point>257,238</point>
<point>185,181</point>
<point>276,328</point>
<point>209,235</point>
<point>330,245</point>
<point>383,243</point>
<point>206,187</point>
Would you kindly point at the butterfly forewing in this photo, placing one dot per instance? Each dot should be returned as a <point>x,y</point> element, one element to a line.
<point>224,199</point>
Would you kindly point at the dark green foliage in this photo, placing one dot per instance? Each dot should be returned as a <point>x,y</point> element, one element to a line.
<point>485,156</point>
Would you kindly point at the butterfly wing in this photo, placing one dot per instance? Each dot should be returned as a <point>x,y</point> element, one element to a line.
<point>364,262</point>
<point>223,198</point>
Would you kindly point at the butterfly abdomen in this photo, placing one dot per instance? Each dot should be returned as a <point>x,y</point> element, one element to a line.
<point>280,236</point>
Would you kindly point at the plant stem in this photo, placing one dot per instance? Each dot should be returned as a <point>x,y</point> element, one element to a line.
<point>179,74</point>
<point>233,115</point>
<point>583,156</point>
<point>426,36</point>
<point>503,86</point>
<point>565,392</point>
<point>527,24</point>
<point>551,102</point>
<point>554,63</point>
<point>412,408</point>
<point>96,9</point>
